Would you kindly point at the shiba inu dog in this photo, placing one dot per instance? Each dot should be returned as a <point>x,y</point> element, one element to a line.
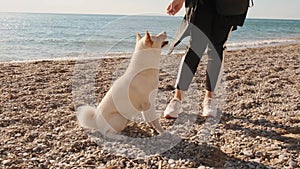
<point>131,94</point>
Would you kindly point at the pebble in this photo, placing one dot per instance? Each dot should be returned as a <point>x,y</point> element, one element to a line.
<point>172,165</point>
<point>274,147</point>
<point>171,161</point>
<point>34,159</point>
<point>256,160</point>
<point>18,135</point>
<point>5,162</point>
<point>258,154</point>
<point>228,150</point>
<point>248,153</point>
<point>292,163</point>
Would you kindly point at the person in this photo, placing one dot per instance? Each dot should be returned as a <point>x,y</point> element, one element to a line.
<point>207,30</point>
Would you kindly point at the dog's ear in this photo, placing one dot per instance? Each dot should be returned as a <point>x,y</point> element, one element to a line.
<point>148,39</point>
<point>138,36</point>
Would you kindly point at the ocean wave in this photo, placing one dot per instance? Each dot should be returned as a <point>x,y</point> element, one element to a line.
<point>261,43</point>
<point>70,57</point>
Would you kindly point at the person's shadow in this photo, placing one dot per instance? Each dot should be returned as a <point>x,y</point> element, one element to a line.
<point>281,134</point>
<point>206,154</point>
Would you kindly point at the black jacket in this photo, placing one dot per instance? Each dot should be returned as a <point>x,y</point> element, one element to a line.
<point>189,18</point>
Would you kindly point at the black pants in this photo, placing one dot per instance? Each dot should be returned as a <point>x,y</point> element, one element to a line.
<point>211,31</point>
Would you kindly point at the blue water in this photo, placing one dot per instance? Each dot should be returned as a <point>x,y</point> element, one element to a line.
<point>66,36</point>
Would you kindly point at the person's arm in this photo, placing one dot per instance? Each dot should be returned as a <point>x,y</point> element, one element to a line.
<point>175,6</point>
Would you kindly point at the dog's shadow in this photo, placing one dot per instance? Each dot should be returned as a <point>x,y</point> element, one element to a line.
<point>137,140</point>
<point>138,135</point>
<point>138,130</point>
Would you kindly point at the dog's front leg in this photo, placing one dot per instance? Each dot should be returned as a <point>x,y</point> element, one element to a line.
<point>152,119</point>
<point>155,123</point>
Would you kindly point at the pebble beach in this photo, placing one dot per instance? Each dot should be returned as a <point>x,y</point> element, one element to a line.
<point>259,125</point>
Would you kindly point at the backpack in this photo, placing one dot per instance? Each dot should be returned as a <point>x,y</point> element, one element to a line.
<point>232,7</point>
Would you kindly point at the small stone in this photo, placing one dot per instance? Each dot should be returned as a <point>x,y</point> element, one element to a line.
<point>5,162</point>
<point>201,167</point>
<point>18,135</point>
<point>274,147</point>
<point>256,160</point>
<point>248,153</point>
<point>258,154</point>
<point>164,163</point>
<point>171,161</point>
<point>42,165</point>
<point>292,163</point>
<point>33,159</point>
<point>172,165</point>
<point>228,150</point>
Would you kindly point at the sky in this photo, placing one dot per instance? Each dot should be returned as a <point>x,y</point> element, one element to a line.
<point>276,9</point>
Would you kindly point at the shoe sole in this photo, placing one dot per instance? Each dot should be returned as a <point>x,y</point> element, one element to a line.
<point>170,117</point>
<point>208,115</point>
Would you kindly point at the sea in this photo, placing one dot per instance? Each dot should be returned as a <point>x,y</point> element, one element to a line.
<point>35,36</point>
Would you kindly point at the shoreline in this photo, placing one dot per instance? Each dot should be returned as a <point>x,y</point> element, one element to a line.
<point>259,126</point>
<point>128,54</point>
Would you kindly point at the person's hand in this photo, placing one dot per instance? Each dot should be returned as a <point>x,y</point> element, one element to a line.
<point>175,6</point>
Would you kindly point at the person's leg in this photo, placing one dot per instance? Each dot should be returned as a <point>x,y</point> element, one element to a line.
<point>220,33</point>
<point>200,38</point>
<point>215,57</point>
<point>187,70</point>
<point>200,33</point>
<point>179,94</point>
<point>209,94</point>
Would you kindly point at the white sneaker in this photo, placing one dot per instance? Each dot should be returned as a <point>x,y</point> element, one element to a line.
<point>173,109</point>
<point>209,107</point>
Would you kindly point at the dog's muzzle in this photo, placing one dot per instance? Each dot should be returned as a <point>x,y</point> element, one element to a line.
<point>164,44</point>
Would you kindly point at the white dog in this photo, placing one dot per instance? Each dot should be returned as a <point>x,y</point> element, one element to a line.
<point>133,93</point>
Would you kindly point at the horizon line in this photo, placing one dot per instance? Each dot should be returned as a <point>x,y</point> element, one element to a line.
<point>138,14</point>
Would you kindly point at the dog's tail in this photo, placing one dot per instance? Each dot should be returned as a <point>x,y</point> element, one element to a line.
<point>87,116</point>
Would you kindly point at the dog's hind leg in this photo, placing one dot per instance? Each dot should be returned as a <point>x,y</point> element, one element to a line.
<point>115,125</point>
<point>117,122</point>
